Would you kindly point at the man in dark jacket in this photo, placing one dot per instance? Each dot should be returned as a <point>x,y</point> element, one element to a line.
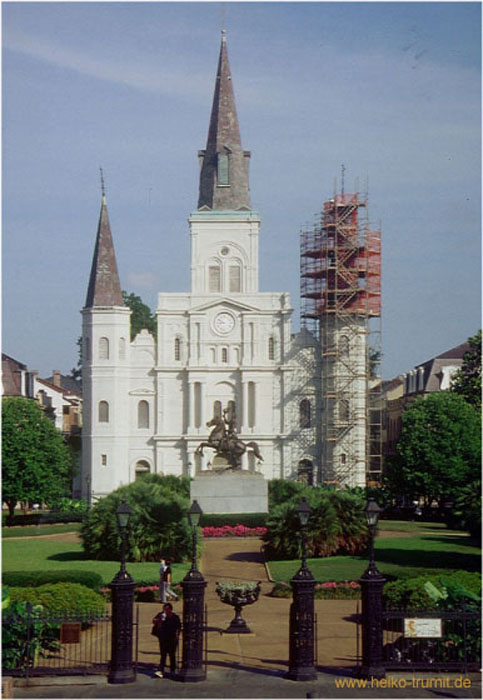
<point>168,626</point>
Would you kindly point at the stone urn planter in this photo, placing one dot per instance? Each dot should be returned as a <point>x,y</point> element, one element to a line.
<point>238,594</point>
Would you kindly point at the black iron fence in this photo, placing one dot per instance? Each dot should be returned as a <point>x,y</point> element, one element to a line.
<point>439,640</point>
<point>35,642</point>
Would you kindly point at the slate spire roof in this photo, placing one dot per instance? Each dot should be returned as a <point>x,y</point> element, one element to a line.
<point>104,285</point>
<point>224,163</point>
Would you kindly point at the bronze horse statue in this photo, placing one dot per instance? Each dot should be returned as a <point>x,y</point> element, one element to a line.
<point>226,443</point>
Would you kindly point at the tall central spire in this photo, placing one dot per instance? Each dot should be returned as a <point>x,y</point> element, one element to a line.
<point>224,163</point>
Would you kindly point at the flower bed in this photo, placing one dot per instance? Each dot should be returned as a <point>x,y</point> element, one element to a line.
<point>329,590</point>
<point>146,594</point>
<point>233,531</point>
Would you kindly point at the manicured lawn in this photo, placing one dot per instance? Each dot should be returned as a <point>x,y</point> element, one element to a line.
<point>413,526</point>
<point>400,557</point>
<point>35,530</point>
<point>49,555</point>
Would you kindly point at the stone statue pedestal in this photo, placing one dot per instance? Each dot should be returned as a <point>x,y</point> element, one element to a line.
<point>221,490</point>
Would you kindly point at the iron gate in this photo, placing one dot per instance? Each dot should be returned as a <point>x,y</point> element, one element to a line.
<point>443,640</point>
<point>36,643</point>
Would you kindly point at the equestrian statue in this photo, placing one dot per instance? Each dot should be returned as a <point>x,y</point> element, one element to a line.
<point>225,441</point>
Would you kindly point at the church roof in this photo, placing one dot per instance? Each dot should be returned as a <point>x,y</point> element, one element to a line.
<point>104,285</point>
<point>224,167</point>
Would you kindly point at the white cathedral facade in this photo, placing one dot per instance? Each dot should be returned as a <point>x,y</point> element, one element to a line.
<point>224,343</point>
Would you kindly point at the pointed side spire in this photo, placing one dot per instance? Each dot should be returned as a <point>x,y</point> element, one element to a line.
<point>224,167</point>
<point>104,285</point>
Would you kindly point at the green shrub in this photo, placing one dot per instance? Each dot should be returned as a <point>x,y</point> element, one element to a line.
<point>20,625</point>
<point>61,598</point>
<point>91,579</point>
<point>158,523</point>
<point>411,592</point>
<point>336,525</point>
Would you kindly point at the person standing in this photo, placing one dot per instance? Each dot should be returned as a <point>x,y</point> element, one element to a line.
<point>167,581</point>
<point>168,626</point>
<point>162,582</point>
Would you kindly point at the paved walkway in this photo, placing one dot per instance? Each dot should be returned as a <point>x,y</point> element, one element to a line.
<point>251,665</point>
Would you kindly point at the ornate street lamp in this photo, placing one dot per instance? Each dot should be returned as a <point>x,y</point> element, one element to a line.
<point>192,669</point>
<point>372,583</point>
<point>121,668</point>
<point>301,666</point>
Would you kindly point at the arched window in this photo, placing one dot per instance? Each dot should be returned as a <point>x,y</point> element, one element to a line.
<point>223,170</point>
<point>305,419</point>
<point>271,348</point>
<point>142,467</point>
<point>122,348</point>
<point>234,278</point>
<point>143,414</point>
<point>224,355</point>
<point>344,345</point>
<point>103,349</point>
<point>103,412</point>
<point>344,410</point>
<point>214,278</point>
<point>177,349</point>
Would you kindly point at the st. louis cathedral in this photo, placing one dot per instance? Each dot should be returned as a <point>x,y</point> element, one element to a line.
<point>224,344</point>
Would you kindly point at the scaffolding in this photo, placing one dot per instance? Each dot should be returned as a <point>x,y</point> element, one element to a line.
<point>341,305</point>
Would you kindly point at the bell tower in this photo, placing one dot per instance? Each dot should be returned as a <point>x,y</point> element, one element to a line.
<point>224,228</point>
<point>105,371</point>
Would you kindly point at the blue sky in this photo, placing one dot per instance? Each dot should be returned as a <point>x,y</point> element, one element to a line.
<point>391,90</point>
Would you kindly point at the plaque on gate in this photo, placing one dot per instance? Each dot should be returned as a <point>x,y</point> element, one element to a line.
<point>70,632</point>
<point>419,627</point>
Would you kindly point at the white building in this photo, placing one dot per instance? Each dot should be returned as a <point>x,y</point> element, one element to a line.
<point>146,403</point>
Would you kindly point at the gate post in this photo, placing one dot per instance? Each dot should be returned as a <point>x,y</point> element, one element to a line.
<point>121,669</point>
<point>301,635</point>
<point>192,663</point>
<point>372,582</point>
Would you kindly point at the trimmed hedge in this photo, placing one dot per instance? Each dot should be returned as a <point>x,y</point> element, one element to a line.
<point>411,593</point>
<point>41,518</point>
<point>233,519</point>
<point>31,579</point>
<point>61,598</point>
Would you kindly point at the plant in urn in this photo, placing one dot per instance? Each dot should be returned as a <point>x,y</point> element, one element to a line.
<point>238,594</point>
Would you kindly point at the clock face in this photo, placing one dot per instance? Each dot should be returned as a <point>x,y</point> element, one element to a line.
<point>224,322</point>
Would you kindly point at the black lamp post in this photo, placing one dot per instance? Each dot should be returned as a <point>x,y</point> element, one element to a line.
<point>192,669</point>
<point>372,583</point>
<point>121,668</point>
<point>301,666</point>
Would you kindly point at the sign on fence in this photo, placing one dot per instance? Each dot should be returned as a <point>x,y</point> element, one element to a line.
<point>416,627</point>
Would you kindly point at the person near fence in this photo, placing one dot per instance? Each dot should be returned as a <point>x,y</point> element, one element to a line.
<point>167,627</point>
<point>162,582</point>
<point>167,582</point>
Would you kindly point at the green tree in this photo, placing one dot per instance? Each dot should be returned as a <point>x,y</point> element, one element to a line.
<point>439,448</point>
<point>158,523</point>
<point>467,380</point>
<point>141,317</point>
<point>36,463</point>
